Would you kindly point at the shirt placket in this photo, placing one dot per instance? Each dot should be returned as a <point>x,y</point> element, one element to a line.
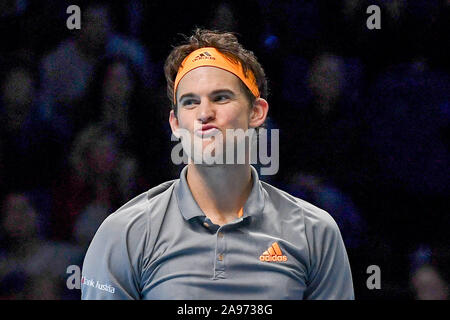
<point>220,256</point>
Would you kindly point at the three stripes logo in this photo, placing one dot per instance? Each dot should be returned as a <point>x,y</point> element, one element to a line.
<point>204,55</point>
<point>273,254</point>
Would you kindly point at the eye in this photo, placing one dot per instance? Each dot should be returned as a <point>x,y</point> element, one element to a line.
<point>188,102</point>
<point>221,98</point>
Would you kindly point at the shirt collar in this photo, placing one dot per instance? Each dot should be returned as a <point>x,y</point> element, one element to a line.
<point>190,209</point>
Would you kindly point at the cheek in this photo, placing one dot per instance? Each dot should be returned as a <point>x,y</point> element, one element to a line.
<point>186,119</point>
<point>235,119</point>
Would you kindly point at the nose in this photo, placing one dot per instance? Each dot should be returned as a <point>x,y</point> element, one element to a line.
<point>205,112</point>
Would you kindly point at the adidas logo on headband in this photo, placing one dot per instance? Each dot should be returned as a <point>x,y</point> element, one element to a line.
<point>203,55</point>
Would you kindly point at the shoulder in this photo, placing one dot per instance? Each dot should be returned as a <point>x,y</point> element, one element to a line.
<point>137,211</point>
<point>311,215</point>
<point>126,232</point>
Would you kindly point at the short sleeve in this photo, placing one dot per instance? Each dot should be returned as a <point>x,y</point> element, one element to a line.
<point>329,277</point>
<point>113,262</point>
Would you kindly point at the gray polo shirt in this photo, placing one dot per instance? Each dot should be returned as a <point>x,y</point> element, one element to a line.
<point>160,245</point>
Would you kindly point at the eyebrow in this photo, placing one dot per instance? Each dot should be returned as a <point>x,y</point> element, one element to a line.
<point>213,93</point>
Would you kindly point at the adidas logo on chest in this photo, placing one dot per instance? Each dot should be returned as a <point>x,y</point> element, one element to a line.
<point>273,254</point>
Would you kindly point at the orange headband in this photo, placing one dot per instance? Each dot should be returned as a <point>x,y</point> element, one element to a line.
<point>209,56</point>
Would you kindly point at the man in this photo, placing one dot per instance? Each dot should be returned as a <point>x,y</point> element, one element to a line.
<point>218,232</point>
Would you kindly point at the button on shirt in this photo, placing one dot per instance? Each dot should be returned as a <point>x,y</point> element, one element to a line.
<point>160,245</point>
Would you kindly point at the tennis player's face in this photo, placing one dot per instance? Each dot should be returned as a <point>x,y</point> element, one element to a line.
<point>210,101</point>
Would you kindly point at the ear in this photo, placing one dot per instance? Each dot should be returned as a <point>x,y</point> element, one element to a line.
<point>258,113</point>
<point>174,125</point>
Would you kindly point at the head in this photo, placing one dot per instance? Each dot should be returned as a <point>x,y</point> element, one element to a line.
<point>115,93</point>
<point>428,276</point>
<point>429,284</point>
<point>94,153</point>
<point>17,94</point>
<point>117,82</point>
<point>96,25</point>
<point>326,79</point>
<point>19,217</point>
<point>227,44</point>
<point>209,96</point>
<point>224,17</point>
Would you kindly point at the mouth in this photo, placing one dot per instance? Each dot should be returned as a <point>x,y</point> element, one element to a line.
<point>207,131</point>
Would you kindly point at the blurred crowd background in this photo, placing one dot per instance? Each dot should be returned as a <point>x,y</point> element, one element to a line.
<point>363,118</point>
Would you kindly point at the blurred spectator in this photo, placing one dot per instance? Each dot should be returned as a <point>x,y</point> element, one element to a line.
<point>233,16</point>
<point>30,266</point>
<point>28,141</point>
<point>421,18</point>
<point>339,205</point>
<point>18,239</point>
<point>135,10</point>
<point>408,113</point>
<point>12,19</point>
<point>296,24</point>
<point>31,26</point>
<point>2,170</point>
<point>243,17</point>
<point>17,96</point>
<point>351,221</point>
<point>323,102</point>
<point>87,223</point>
<point>428,284</point>
<point>100,174</point>
<point>345,30</point>
<point>427,279</point>
<point>408,29</point>
<point>118,101</point>
<point>435,38</point>
<point>67,71</point>
<point>10,8</point>
<point>160,34</point>
<point>113,96</point>
<point>326,81</point>
<point>224,17</point>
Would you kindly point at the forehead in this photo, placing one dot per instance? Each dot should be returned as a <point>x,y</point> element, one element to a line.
<point>206,79</point>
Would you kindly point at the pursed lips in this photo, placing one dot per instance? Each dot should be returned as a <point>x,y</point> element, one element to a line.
<point>207,131</point>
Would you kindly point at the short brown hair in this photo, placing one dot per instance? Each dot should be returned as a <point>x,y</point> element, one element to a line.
<point>225,42</point>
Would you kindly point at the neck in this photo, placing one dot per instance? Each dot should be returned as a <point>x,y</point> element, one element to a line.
<point>220,191</point>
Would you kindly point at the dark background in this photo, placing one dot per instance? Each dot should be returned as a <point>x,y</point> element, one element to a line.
<point>363,118</point>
